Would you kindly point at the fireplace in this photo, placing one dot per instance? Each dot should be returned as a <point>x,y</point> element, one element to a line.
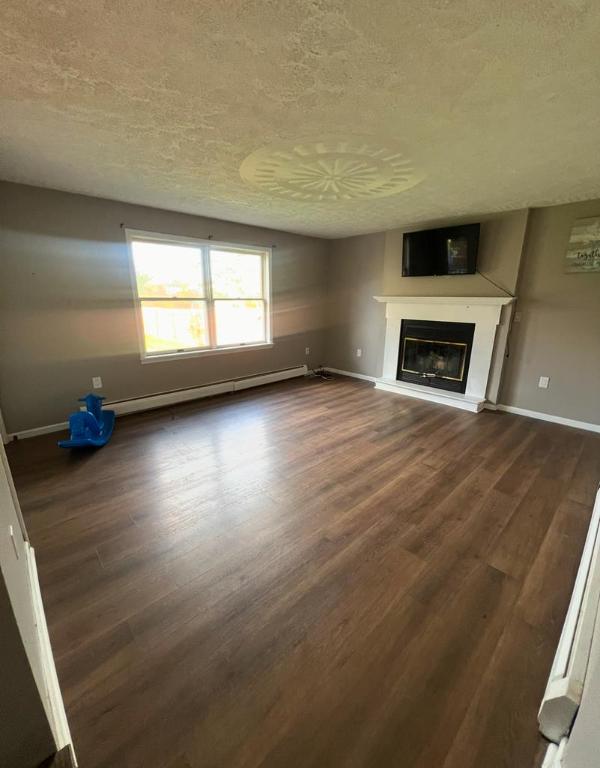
<point>435,353</point>
<point>480,322</point>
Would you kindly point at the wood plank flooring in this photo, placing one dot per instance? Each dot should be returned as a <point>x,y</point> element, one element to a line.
<point>307,575</point>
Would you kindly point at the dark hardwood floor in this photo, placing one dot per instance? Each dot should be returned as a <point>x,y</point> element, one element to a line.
<point>307,575</point>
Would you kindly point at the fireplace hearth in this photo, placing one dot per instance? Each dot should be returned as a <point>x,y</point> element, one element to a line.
<point>435,353</point>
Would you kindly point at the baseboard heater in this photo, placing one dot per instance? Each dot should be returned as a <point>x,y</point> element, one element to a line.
<point>162,399</point>
<point>565,684</point>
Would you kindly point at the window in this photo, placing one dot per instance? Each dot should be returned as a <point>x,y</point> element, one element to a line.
<point>195,296</point>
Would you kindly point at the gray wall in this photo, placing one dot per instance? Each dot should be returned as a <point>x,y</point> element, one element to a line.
<point>66,307</point>
<point>369,265</point>
<point>355,275</point>
<point>500,248</point>
<point>67,313</point>
<point>559,332</point>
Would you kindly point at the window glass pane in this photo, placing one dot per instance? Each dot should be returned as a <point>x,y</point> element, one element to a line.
<point>236,275</point>
<point>169,271</point>
<point>174,325</point>
<point>239,322</point>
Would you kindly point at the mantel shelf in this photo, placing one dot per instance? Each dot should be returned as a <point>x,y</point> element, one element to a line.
<point>493,301</point>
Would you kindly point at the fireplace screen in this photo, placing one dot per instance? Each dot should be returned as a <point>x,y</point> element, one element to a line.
<point>435,353</point>
<point>435,359</point>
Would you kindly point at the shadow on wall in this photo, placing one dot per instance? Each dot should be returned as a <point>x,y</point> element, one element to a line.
<point>66,296</point>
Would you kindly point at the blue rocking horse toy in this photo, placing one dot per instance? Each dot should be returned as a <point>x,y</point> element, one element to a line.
<point>90,428</point>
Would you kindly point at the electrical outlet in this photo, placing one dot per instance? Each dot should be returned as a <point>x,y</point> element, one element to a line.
<point>307,350</point>
<point>97,382</point>
<point>543,382</point>
<point>359,352</point>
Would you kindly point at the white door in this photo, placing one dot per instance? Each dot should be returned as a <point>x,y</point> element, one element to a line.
<point>17,562</point>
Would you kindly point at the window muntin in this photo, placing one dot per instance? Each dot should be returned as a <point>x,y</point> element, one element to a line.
<point>198,296</point>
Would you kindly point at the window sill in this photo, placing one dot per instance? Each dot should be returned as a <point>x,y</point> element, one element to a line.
<point>171,356</point>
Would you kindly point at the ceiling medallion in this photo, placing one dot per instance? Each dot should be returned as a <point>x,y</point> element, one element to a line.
<point>330,170</point>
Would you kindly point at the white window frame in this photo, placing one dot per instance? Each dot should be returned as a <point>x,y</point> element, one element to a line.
<point>133,235</point>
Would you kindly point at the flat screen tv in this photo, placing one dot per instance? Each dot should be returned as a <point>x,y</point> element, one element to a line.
<point>446,251</point>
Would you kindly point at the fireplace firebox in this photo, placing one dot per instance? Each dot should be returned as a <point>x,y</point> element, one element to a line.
<point>435,354</point>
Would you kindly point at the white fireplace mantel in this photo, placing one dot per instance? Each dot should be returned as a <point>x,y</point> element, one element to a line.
<point>491,317</point>
<point>492,301</point>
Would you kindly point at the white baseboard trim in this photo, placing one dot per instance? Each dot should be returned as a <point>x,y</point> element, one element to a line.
<point>547,417</point>
<point>36,431</point>
<point>353,375</point>
<point>589,426</point>
<point>135,405</point>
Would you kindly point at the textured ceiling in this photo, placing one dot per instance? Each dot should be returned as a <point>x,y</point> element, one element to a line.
<point>207,107</point>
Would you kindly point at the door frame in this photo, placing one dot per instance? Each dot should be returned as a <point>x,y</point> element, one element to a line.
<point>30,616</point>
<point>3,432</point>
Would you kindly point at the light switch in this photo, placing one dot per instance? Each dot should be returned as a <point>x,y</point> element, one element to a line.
<point>543,382</point>
<point>97,382</point>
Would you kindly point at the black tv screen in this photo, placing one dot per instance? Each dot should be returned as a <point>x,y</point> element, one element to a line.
<point>445,251</point>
